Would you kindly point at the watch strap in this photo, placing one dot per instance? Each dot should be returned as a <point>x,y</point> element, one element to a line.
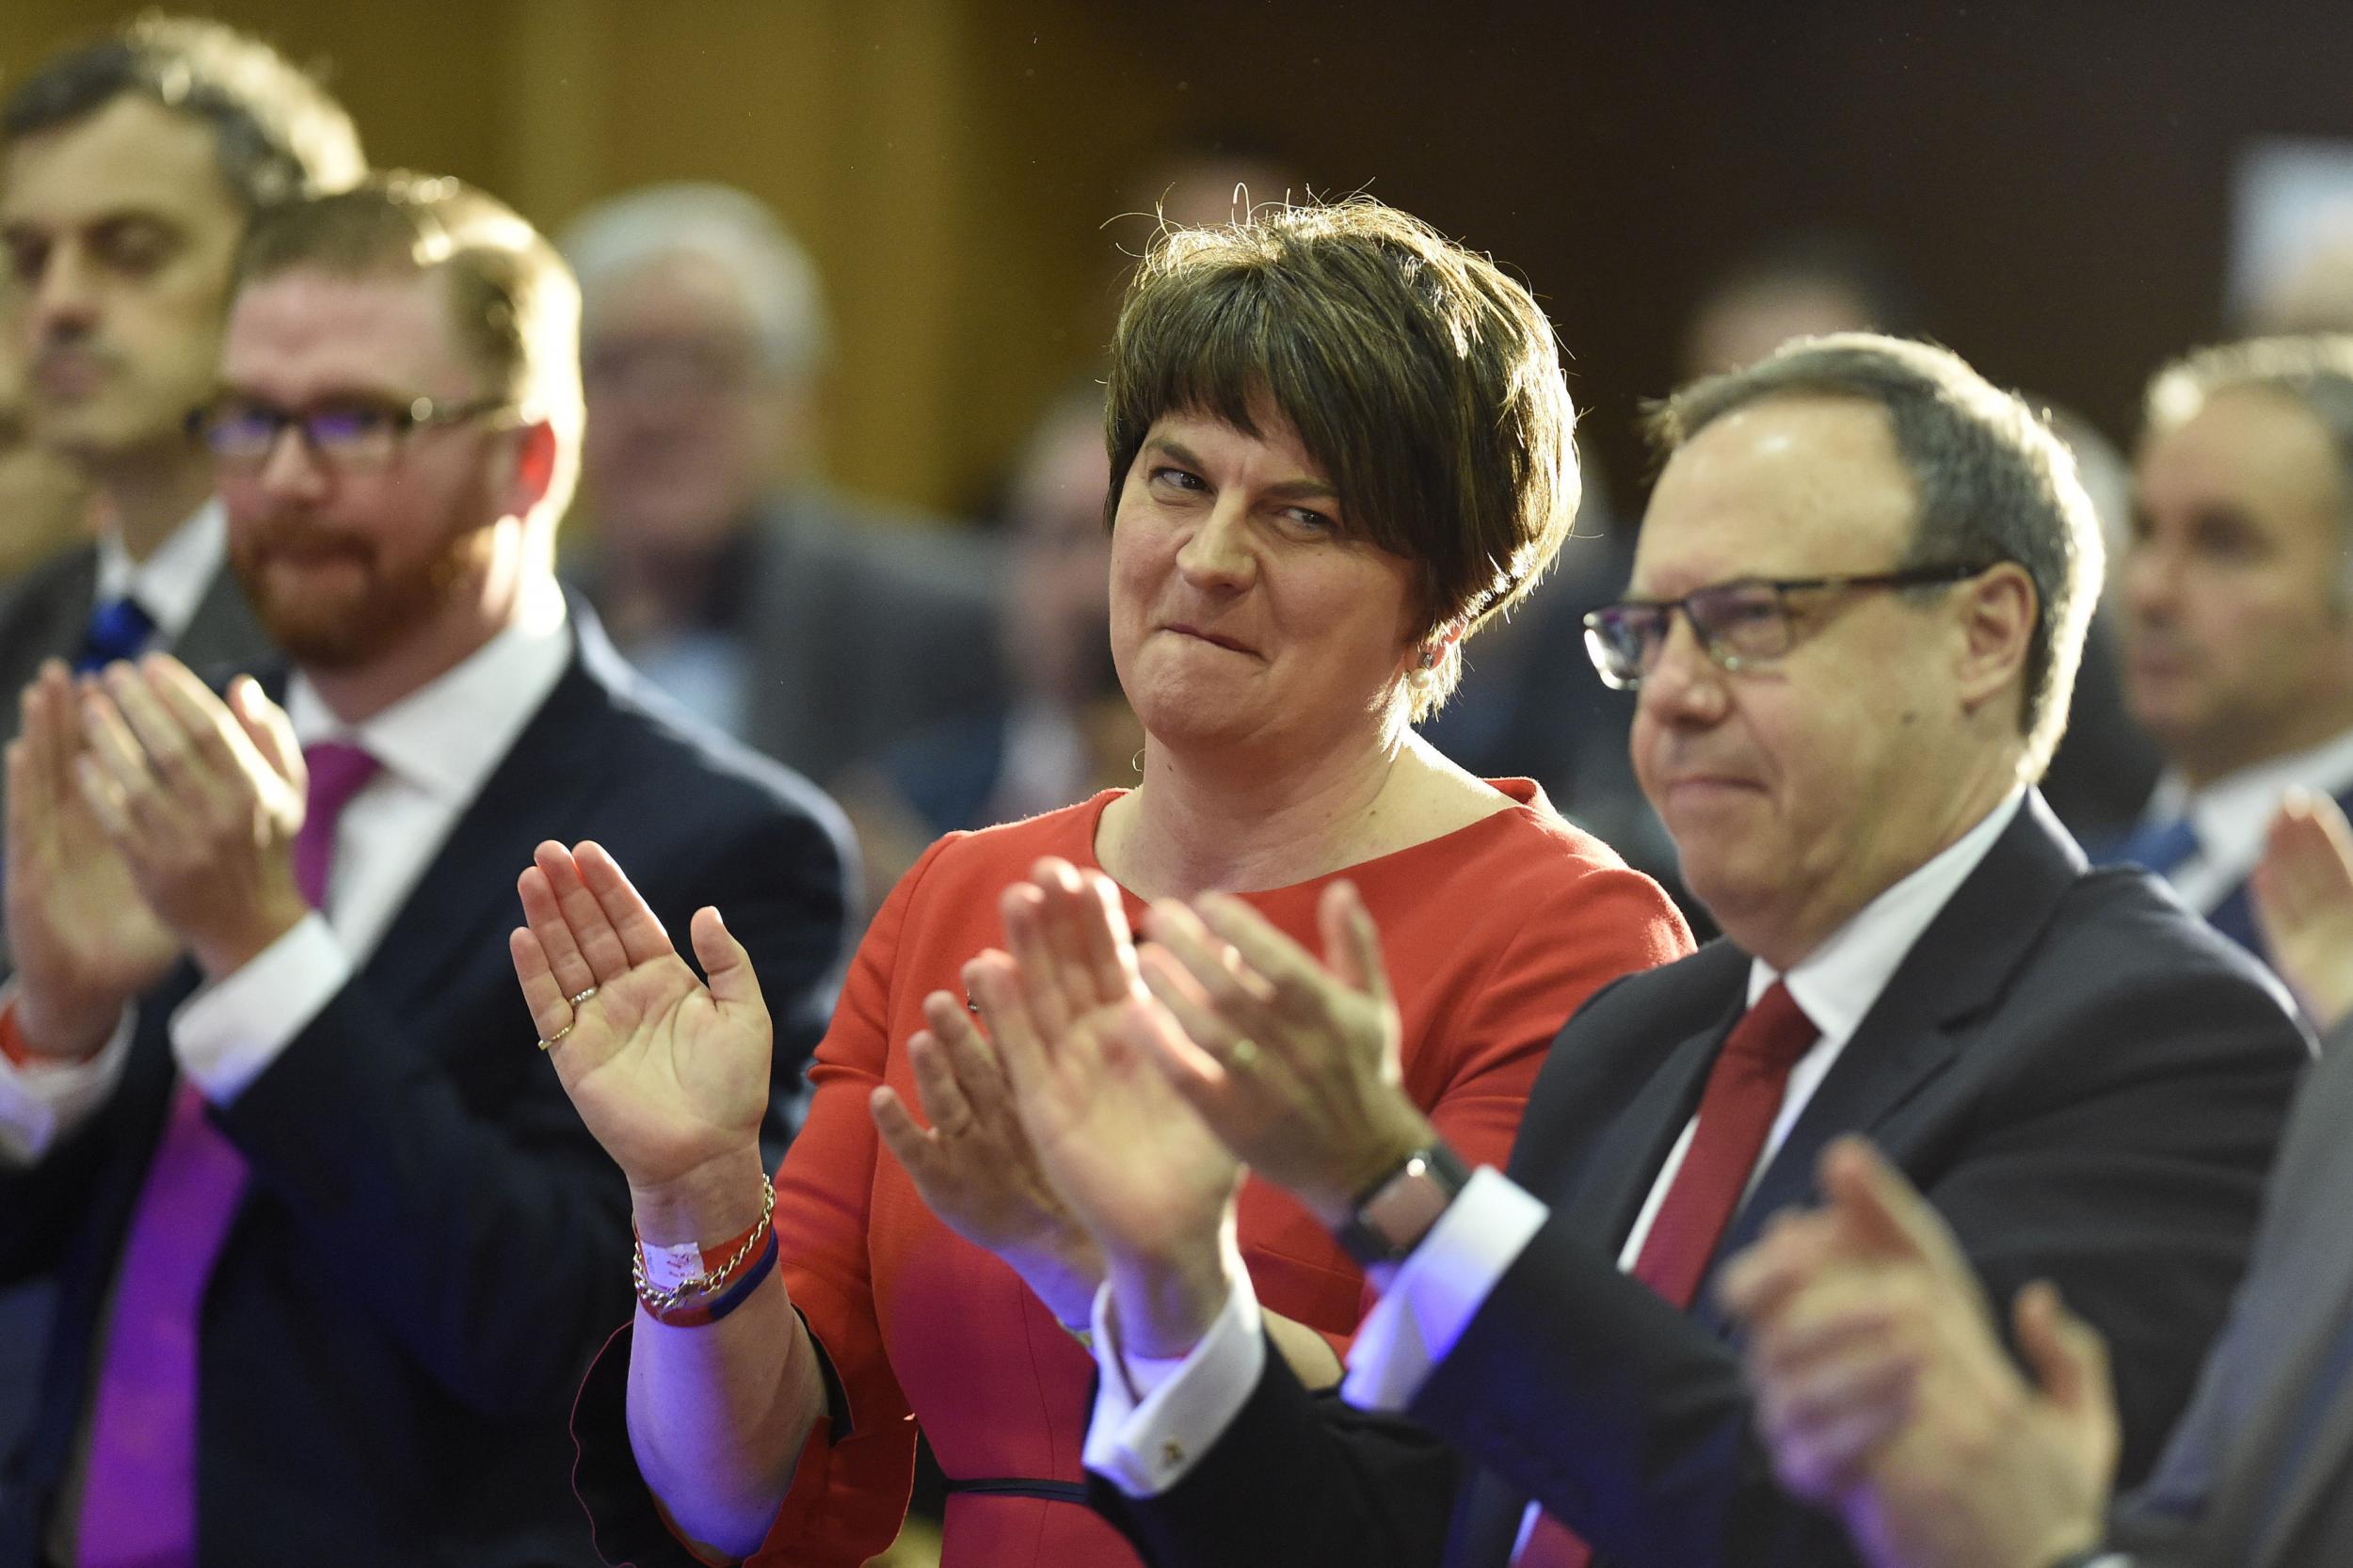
<point>1393,1214</point>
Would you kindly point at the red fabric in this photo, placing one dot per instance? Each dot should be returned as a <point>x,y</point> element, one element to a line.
<point>11,1038</point>
<point>1492,933</point>
<point>1736,1110</point>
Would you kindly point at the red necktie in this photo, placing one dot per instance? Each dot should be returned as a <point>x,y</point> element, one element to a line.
<point>138,1493</point>
<point>1736,1110</point>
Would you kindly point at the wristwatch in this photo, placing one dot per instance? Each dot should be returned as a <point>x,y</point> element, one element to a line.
<point>1396,1212</point>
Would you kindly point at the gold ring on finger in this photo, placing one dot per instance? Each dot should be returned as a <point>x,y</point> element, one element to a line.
<point>581,1001</point>
<point>549,1041</point>
<point>1243,1052</point>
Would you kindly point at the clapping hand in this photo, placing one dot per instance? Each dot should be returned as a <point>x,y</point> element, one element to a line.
<point>1079,1037</point>
<point>1884,1391</point>
<point>1293,1063</point>
<point>669,1074</point>
<point>203,800</point>
<point>2303,897</point>
<point>975,1166</point>
<point>86,943</point>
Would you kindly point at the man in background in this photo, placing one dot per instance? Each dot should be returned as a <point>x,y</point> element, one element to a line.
<point>333,1248</point>
<point>129,168</point>
<point>2236,593</point>
<point>815,627</point>
<point>133,166</point>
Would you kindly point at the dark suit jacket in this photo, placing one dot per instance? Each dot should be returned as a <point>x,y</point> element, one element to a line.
<point>2257,1473</point>
<point>431,1246</point>
<point>2087,1083</point>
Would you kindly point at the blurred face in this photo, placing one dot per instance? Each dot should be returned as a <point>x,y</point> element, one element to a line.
<point>41,496</point>
<point>2237,647</point>
<point>1244,610</point>
<point>685,428</point>
<point>1058,631</point>
<point>1798,790</point>
<point>120,235</point>
<point>1741,328</point>
<point>345,562</point>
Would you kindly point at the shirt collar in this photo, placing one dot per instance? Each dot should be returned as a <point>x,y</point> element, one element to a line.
<point>2232,813</point>
<point>1839,981</point>
<point>172,580</point>
<point>446,736</point>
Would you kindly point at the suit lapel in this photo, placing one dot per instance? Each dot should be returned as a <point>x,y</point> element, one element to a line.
<point>559,759</point>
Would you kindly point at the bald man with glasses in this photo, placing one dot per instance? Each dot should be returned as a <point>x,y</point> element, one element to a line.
<point>1856,609</point>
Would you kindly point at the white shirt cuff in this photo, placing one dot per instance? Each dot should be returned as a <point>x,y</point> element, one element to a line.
<point>1146,1442</point>
<point>42,1101</point>
<point>1437,1291</point>
<point>225,1034</point>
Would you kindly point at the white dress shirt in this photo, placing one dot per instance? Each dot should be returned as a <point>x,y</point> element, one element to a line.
<point>437,747</point>
<point>1153,1419</point>
<point>173,580</point>
<point>2233,814</point>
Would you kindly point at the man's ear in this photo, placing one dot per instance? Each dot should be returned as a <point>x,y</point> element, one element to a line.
<point>1997,610</point>
<point>534,466</point>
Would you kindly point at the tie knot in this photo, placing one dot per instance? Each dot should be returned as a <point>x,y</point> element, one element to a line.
<point>2160,847</point>
<point>1774,1032</point>
<point>338,769</point>
<point>119,628</point>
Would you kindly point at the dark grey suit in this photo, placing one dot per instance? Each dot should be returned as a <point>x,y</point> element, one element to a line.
<point>855,627</point>
<point>2256,1475</point>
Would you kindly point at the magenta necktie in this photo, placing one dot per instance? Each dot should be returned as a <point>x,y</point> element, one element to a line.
<point>138,1493</point>
<point>1737,1110</point>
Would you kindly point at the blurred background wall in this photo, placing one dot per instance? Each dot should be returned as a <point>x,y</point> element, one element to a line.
<point>2053,177</point>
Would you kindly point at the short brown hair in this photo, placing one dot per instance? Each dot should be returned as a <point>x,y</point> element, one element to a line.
<point>1993,484</point>
<point>513,305</point>
<point>277,134</point>
<point>1424,381</point>
<point>2315,371</point>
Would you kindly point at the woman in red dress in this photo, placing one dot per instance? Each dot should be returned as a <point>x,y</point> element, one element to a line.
<point>1339,443</point>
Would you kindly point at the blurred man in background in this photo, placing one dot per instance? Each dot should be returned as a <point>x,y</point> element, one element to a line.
<point>1061,731</point>
<point>815,627</point>
<point>2236,591</point>
<point>45,504</point>
<point>131,169</point>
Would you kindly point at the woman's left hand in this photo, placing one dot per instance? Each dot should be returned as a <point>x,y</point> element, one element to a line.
<point>974,1165</point>
<point>1294,1064</point>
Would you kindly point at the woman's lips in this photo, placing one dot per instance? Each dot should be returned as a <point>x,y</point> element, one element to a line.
<point>1213,639</point>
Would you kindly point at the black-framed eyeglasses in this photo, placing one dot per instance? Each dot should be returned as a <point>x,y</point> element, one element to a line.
<point>1741,624</point>
<point>349,433</point>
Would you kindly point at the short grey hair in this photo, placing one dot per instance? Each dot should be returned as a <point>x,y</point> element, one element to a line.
<point>1993,484</point>
<point>2314,371</point>
<point>733,230</point>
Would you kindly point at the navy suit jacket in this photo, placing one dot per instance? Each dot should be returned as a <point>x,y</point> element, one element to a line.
<point>2085,1080</point>
<point>431,1246</point>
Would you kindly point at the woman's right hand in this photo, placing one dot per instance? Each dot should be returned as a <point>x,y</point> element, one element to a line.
<point>670,1074</point>
<point>1073,1025</point>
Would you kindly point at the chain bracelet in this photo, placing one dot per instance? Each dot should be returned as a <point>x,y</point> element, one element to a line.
<point>662,1300</point>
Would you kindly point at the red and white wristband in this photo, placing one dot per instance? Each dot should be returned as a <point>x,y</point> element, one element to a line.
<point>688,1285</point>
